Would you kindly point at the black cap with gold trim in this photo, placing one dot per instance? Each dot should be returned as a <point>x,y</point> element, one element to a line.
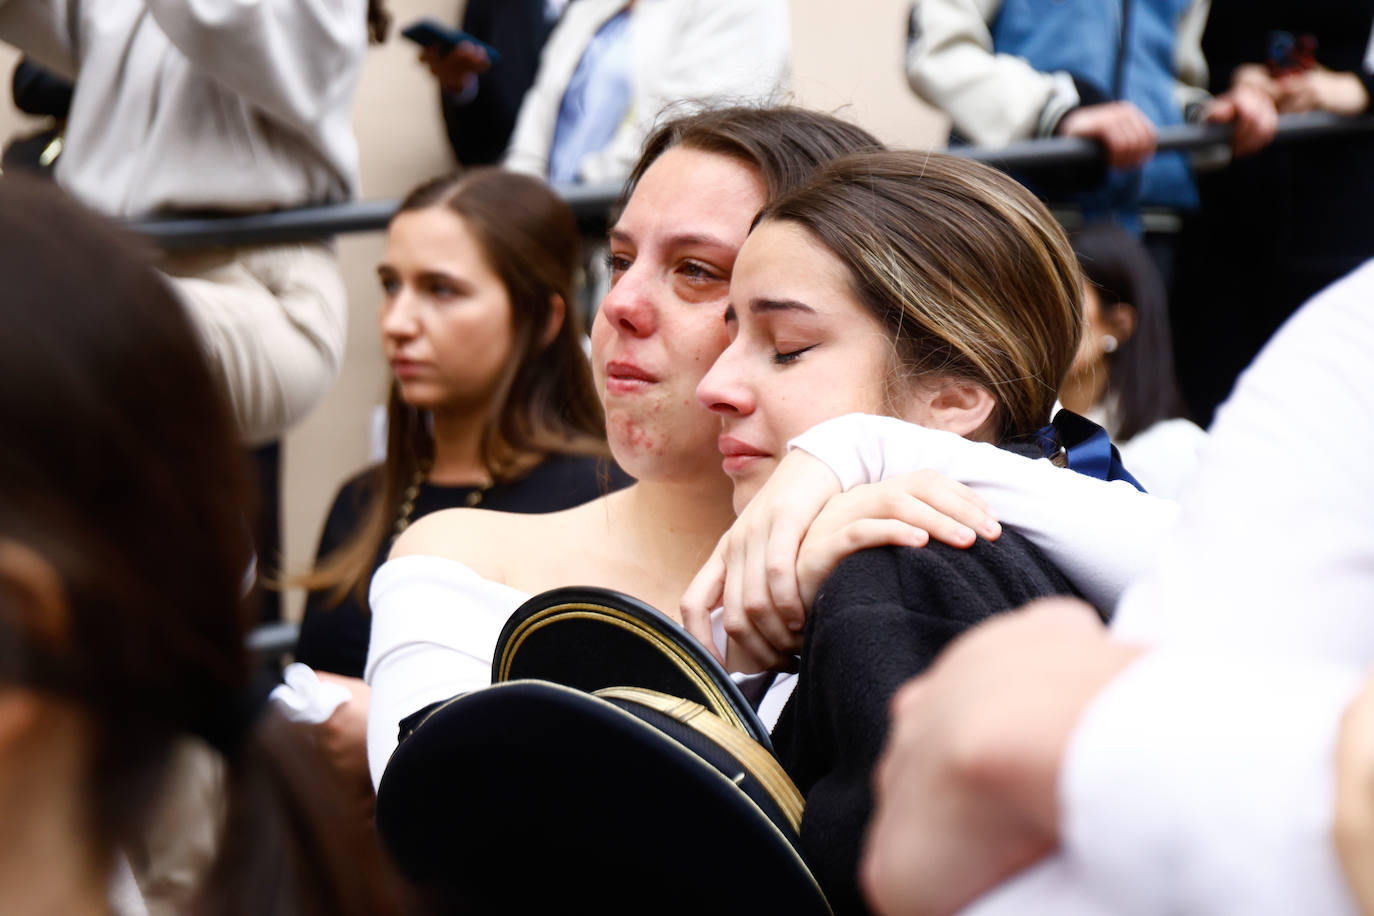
<point>578,782</point>
<point>590,638</point>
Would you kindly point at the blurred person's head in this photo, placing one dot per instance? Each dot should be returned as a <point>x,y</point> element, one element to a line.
<point>687,209</point>
<point>1126,354</point>
<point>477,281</point>
<point>124,551</point>
<point>919,285</point>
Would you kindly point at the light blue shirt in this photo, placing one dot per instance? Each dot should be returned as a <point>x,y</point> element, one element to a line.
<point>595,102</point>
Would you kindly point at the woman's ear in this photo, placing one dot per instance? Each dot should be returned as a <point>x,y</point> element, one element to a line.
<point>558,312</point>
<point>956,406</point>
<point>32,594</point>
<point>1120,321</point>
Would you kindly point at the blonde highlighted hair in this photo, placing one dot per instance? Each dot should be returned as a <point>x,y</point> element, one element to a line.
<point>969,273</point>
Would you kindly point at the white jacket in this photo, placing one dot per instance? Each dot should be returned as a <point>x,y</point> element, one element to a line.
<point>201,104</point>
<point>709,52</point>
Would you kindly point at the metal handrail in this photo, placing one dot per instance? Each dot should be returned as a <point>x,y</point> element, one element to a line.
<point>270,639</point>
<point>1060,151</point>
<point>591,204</point>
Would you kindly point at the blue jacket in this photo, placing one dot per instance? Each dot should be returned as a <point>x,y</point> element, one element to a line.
<point>1115,50</point>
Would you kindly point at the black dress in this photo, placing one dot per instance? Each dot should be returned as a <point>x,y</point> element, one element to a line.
<point>880,619</point>
<point>334,638</point>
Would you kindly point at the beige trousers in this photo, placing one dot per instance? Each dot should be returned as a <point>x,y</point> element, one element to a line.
<point>273,321</point>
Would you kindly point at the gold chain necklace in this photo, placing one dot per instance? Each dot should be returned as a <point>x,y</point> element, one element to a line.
<point>412,492</point>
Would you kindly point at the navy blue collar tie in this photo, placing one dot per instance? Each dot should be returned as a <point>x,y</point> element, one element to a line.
<point>1086,446</point>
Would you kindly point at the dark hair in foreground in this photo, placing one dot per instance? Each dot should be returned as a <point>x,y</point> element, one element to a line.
<point>121,470</point>
<point>1140,374</point>
<point>969,273</point>
<point>544,403</point>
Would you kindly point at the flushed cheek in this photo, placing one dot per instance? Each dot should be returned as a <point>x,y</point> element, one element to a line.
<point>630,434</point>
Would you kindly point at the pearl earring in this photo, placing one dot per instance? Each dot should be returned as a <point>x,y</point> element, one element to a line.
<point>1109,343</point>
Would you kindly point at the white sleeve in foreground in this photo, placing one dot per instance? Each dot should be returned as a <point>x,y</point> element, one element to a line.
<point>1201,783</point>
<point>1103,535</point>
<point>435,623</point>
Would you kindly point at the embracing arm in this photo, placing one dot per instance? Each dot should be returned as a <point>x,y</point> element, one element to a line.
<point>1102,535</point>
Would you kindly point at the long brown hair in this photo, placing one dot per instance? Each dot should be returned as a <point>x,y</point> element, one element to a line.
<point>121,469</point>
<point>545,401</point>
<point>969,272</point>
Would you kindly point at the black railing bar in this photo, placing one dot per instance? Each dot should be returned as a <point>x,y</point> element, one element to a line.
<point>592,203</point>
<point>273,638</point>
<point>1060,151</point>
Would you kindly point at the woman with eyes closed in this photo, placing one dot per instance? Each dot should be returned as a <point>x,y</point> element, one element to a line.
<point>936,291</point>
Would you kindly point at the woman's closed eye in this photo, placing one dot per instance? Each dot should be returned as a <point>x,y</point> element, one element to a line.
<point>783,356</point>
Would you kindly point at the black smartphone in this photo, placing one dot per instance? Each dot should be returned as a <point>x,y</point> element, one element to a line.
<point>431,33</point>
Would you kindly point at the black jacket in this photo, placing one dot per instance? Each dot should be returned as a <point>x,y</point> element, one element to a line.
<point>880,619</point>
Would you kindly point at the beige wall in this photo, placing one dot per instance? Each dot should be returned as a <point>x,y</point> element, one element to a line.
<point>850,64</point>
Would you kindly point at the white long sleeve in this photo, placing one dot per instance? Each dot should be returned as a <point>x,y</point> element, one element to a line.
<point>996,98</point>
<point>1102,535</point>
<point>1197,784</point>
<point>295,59</point>
<point>992,98</point>
<point>1275,550</point>
<point>1247,748</point>
<point>1200,781</point>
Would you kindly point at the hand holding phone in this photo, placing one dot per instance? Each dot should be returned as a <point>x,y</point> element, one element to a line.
<point>431,33</point>
<point>452,55</point>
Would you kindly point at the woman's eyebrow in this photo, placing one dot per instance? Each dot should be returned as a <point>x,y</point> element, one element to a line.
<point>432,276</point>
<point>760,306</point>
<point>677,240</point>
